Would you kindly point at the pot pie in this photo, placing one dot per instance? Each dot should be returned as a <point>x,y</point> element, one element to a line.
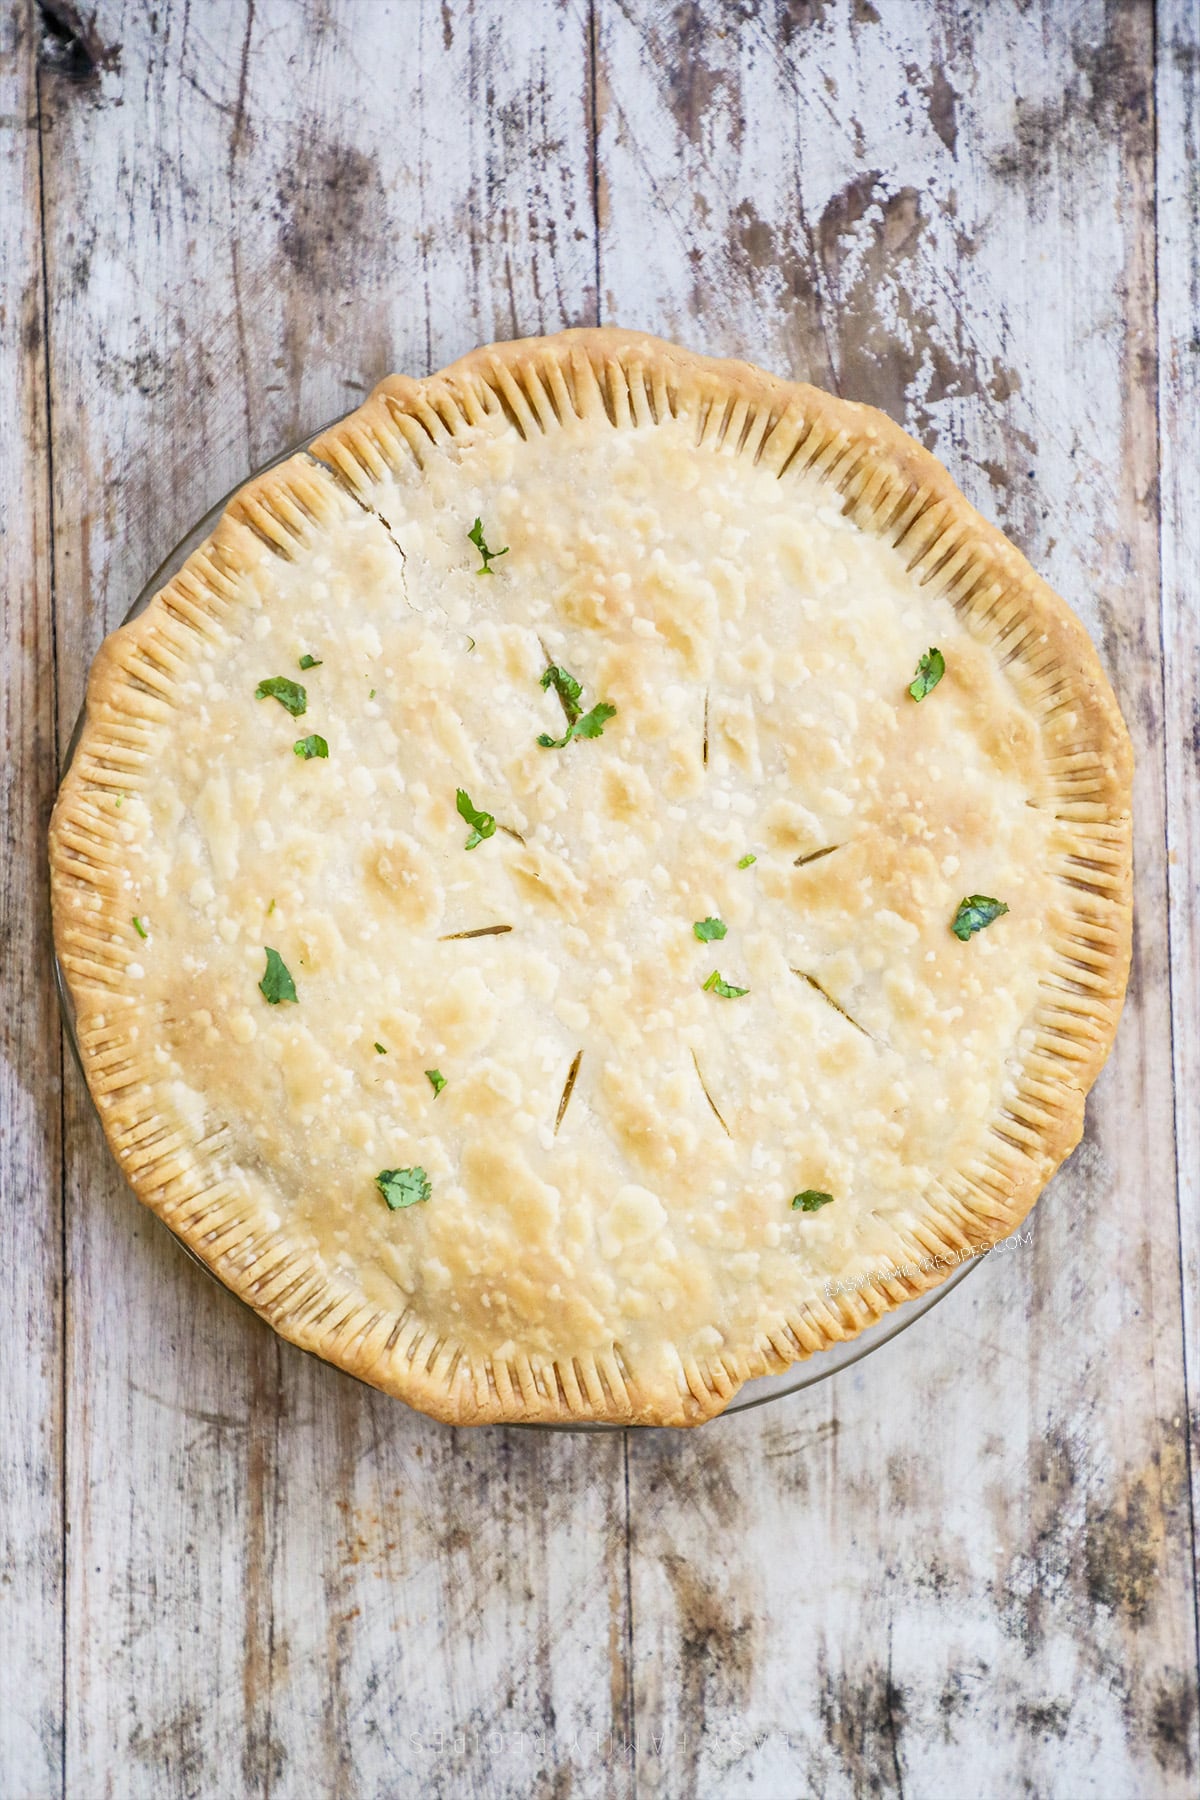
<point>597,880</point>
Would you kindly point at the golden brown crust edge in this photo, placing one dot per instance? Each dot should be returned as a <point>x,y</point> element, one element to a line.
<point>892,486</point>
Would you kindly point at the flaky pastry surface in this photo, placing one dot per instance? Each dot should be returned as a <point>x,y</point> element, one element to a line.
<point>747,571</point>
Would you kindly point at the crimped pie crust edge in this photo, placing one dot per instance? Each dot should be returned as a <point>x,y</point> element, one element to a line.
<point>890,486</point>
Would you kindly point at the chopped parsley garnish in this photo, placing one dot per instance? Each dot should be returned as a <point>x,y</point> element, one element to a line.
<point>552,743</point>
<point>436,1080</point>
<point>482,824</point>
<point>745,861</point>
<point>119,798</point>
<point>974,913</point>
<point>567,689</point>
<point>811,1200</point>
<point>270,909</point>
<point>403,1187</point>
<point>579,724</point>
<point>489,556</point>
<point>311,746</point>
<point>717,985</point>
<point>139,927</point>
<point>310,662</point>
<point>930,670</point>
<point>708,929</point>
<point>592,723</point>
<point>277,983</point>
<point>381,1049</point>
<point>371,695</point>
<point>289,694</point>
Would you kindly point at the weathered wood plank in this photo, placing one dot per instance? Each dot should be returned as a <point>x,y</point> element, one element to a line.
<point>1178,105</point>
<point>972,1553</point>
<point>279,1582</point>
<point>30,1072</point>
<point>282,1584</point>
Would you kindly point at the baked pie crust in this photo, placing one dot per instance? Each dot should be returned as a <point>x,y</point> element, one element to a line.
<point>748,571</point>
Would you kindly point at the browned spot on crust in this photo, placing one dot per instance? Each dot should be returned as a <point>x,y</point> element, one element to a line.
<point>396,872</point>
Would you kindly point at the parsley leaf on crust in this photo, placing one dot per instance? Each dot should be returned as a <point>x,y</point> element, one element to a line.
<point>403,1187</point>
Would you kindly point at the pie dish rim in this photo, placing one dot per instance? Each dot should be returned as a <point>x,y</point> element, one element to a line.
<point>613,1395</point>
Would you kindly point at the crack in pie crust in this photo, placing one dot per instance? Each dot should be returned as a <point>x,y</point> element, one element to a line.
<point>748,571</point>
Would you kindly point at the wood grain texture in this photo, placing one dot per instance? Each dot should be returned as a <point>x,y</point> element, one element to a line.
<point>966,1565</point>
<point>31,1546</point>
<point>974,1552</point>
<point>235,258</point>
<point>1178,108</point>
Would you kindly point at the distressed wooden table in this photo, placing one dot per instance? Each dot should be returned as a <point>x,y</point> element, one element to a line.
<point>964,1567</point>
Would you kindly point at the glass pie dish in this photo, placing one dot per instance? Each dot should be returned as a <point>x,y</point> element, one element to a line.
<point>755,1392</point>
